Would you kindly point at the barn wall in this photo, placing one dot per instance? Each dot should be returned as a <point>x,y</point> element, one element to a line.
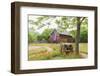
<point>65,38</point>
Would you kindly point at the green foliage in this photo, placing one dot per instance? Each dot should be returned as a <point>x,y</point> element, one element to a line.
<point>83,31</point>
<point>62,23</point>
<point>84,35</point>
<point>32,37</point>
<point>85,22</point>
<point>46,33</point>
<point>73,33</point>
<point>40,37</point>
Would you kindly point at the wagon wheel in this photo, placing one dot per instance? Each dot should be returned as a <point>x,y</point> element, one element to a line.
<point>66,48</point>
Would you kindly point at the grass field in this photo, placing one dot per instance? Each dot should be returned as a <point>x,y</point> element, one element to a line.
<point>49,51</point>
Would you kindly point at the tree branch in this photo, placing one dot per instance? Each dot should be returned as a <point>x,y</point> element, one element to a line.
<point>82,20</point>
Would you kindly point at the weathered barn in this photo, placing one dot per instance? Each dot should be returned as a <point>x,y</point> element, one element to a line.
<point>57,37</point>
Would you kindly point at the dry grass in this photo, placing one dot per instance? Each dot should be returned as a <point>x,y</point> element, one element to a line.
<point>44,54</point>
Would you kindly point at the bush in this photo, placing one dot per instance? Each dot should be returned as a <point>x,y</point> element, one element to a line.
<point>32,37</point>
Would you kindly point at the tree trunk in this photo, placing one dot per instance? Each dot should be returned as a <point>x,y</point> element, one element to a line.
<point>77,35</point>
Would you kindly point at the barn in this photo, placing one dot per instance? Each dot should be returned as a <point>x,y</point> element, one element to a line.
<point>57,37</point>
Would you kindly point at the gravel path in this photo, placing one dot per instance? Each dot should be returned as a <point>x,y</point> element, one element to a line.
<point>83,55</point>
<point>38,47</point>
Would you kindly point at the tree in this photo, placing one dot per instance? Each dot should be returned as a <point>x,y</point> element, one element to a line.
<point>32,37</point>
<point>79,22</point>
<point>63,23</point>
<point>46,33</point>
<point>83,34</point>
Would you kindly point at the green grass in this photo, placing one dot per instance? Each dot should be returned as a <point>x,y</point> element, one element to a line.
<point>43,54</point>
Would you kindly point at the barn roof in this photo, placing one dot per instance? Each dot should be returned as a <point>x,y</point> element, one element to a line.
<point>62,33</point>
<point>65,33</point>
